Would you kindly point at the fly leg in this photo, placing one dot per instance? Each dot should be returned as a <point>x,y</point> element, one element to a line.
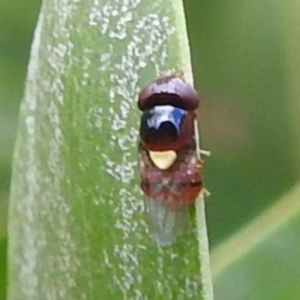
<point>200,166</point>
<point>204,152</point>
<point>200,162</point>
<point>205,192</point>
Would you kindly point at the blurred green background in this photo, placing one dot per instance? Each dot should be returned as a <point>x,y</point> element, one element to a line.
<point>241,54</point>
<point>17,21</point>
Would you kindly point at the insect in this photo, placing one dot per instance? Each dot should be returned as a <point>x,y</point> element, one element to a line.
<point>170,171</point>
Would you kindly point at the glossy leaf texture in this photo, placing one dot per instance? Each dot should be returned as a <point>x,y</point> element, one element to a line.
<point>77,228</point>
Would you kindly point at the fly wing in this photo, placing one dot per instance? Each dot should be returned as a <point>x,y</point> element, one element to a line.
<point>166,208</point>
<point>165,224</point>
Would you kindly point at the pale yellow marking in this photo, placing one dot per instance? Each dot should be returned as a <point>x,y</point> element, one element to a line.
<point>163,159</point>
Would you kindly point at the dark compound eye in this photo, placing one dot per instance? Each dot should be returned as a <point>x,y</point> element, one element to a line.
<point>165,134</point>
<point>161,125</point>
<point>169,90</point>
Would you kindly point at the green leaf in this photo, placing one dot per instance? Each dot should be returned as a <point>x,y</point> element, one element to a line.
<point>3,263</point>
<point>3,214</point>
<point>261,261</point>
<point>76,225</point>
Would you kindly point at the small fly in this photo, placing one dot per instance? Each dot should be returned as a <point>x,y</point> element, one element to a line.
<point>170,171</point>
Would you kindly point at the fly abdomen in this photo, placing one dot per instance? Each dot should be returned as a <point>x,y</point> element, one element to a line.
<point>176,195</point>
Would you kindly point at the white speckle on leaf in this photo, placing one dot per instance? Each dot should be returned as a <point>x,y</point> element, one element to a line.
<point>127,44</point>
<point>115,21</point>
<point>39,191</point>
<point>118,123</point>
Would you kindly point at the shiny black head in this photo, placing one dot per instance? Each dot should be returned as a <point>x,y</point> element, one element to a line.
<point>161,126</point>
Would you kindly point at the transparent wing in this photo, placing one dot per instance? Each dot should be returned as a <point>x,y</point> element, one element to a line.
<point>167,198</point>
<point>165,224</point>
